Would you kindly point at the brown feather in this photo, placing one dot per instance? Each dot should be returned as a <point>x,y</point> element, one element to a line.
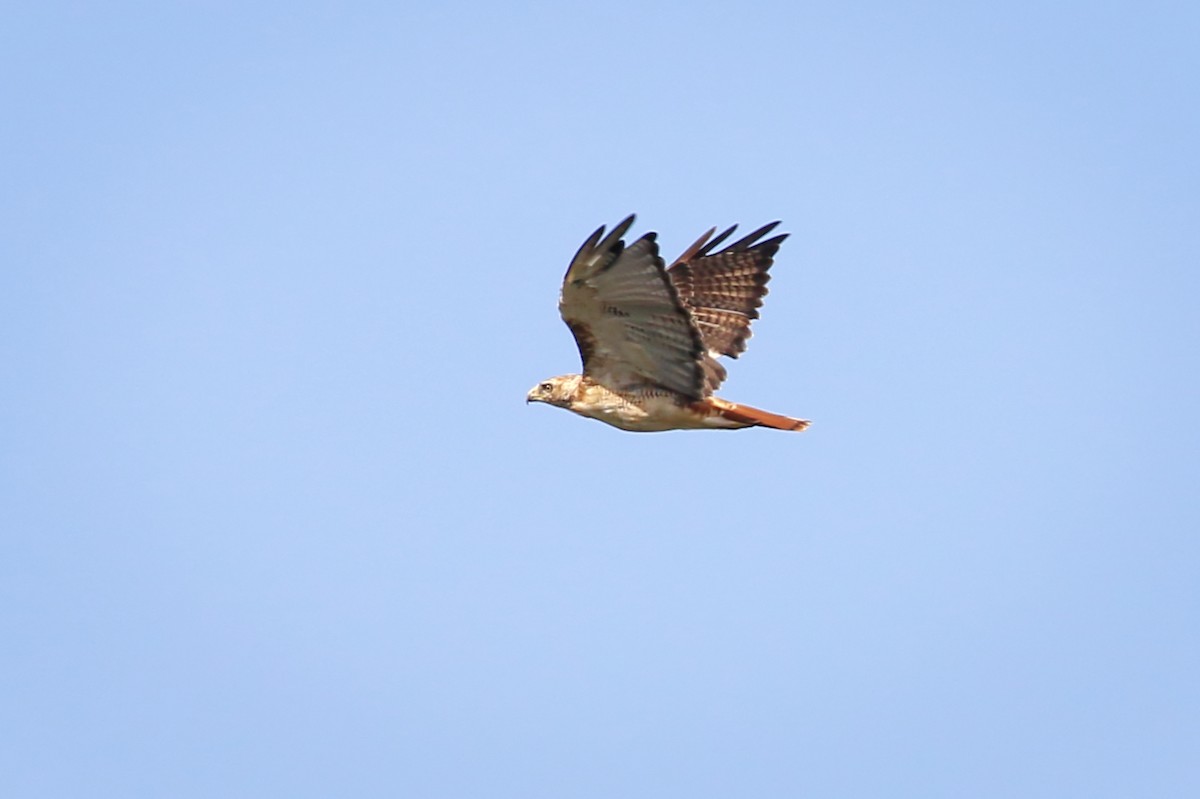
<point>754,416</point>
<point>628,320</point>
<point>724,290</point>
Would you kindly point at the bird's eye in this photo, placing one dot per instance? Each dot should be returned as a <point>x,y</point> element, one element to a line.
<point>545,388</point>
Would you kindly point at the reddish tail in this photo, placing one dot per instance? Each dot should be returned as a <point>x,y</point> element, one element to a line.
<point>753,416</point>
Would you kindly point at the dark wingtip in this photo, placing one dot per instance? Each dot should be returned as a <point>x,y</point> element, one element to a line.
<point>747,241</point>
<point>714,243</point>
<point>613,239</point>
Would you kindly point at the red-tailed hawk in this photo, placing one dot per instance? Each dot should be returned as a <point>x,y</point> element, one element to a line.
<point>650,336</point>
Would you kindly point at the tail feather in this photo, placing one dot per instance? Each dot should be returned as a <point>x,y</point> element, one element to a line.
<point>745,414</point>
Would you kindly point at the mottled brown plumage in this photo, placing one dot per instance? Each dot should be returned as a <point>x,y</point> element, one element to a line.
<point>649,336</point>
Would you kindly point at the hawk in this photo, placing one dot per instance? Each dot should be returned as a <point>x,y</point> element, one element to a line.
<point>649,336</point>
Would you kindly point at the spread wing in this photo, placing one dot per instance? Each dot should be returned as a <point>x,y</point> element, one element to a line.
<point>627,317</point>
<point>724,290</point>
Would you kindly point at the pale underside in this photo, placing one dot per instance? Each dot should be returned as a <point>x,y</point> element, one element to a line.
<point>646,411</point>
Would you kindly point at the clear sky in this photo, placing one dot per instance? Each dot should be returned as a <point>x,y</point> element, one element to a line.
<point>276,520</point>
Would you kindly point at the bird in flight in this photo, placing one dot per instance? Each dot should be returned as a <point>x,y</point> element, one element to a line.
<point>649,336</point>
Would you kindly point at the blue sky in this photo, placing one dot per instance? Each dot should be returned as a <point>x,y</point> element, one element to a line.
<point>278,522</point>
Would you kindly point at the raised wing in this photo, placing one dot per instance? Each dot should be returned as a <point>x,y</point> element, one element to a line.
<point>724,290</point>
<point>627,317</point>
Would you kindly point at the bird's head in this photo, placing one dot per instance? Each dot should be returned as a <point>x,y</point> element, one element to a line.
<point>555,390</point>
